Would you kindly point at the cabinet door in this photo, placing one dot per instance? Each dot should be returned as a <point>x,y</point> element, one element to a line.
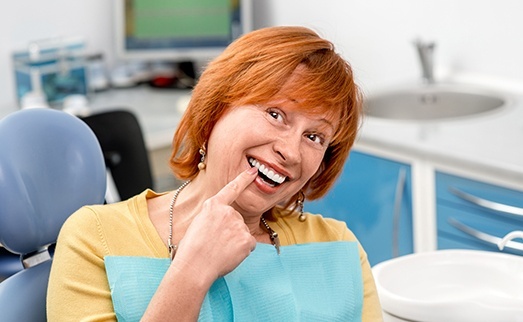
<point>373,196</point>
<point>473,214</point>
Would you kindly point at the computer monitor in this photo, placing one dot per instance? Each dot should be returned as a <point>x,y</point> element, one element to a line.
<point>178,30</point>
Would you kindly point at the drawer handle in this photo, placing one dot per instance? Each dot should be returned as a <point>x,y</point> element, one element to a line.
<point>398,198</point>
<point>487,204</point>
<point>483,236</point>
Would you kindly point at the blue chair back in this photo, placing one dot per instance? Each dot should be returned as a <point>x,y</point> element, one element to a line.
<point>51,164</point>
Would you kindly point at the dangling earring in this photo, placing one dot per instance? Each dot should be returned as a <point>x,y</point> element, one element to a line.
<point>201,165</point>
<point>299,205</point>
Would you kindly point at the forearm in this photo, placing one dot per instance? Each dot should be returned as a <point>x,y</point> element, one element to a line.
<point>180,294</point>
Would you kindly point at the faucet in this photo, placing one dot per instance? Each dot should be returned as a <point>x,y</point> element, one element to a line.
<point>426,56</point>
<point>508,237</point>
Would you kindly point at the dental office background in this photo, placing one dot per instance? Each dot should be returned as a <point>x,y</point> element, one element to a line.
<point>478,41</point>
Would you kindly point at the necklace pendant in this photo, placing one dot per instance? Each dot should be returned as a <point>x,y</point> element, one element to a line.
<point>276,241</point>
<point>172,251</point>
<point>272,234</point>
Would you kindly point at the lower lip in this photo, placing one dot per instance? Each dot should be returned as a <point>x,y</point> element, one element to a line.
<point>260,184</point>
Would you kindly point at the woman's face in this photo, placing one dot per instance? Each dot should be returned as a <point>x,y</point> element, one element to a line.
<point>286,144</point>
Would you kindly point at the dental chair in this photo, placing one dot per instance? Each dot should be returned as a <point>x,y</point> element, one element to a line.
<point>126,156</point>
<point>51,164</point>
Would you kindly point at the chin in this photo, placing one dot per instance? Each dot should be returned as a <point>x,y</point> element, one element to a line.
<point>253,205</point>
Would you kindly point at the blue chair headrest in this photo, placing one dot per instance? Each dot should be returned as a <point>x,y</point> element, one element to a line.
<point>51,164</point>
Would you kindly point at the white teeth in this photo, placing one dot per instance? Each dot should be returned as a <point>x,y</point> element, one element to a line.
<point>267,171</point>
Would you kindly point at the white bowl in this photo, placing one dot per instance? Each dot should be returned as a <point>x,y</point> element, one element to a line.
<point>452,285</point>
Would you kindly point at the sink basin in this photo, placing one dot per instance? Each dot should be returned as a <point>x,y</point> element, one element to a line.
<point>433,102</point>
<point>452,285</point>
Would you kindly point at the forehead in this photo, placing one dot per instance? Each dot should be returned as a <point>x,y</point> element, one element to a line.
<point>296,94</point>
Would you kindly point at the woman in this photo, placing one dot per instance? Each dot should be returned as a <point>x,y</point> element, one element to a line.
<point>270,123</point>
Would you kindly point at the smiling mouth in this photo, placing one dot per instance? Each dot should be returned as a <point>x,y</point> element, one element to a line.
<point>267,174</point>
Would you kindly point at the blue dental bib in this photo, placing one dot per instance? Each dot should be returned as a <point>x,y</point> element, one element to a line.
<point>306,282</point>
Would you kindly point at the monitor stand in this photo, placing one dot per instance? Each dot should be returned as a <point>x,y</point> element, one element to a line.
<point>184,77</point>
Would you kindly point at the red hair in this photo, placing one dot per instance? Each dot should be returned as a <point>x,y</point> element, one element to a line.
<point>252,70</point>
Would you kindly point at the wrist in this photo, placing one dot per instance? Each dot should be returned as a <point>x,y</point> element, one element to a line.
<point>200,277</point>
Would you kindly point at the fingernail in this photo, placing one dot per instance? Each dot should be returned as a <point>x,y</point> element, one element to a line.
<point>252,170</point>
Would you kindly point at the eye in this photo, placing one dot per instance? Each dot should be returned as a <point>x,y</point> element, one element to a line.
<point>276,114</point>
<point>316,138</point>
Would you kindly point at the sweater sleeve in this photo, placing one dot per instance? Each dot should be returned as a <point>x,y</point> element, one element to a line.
<point>78,289</point>
<point>371,304</point>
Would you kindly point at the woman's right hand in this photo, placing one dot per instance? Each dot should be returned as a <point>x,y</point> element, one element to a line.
<point>218,239</point>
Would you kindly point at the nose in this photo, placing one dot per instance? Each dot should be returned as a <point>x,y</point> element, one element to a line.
<point>288,147</point>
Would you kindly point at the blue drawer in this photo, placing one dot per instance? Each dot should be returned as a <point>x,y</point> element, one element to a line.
<point>454,190</point>
<point>454,242</point>
<point>472,214</point>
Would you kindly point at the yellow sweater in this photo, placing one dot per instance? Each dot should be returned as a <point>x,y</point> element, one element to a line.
<point>78,288</point>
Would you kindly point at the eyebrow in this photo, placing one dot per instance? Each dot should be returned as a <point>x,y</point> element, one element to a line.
<point>329,123</point>
<point>324,120</point>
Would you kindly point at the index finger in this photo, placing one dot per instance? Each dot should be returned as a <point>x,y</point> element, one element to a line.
<point>233,189</point>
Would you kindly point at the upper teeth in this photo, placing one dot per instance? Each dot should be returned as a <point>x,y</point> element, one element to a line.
<point>268,172</point>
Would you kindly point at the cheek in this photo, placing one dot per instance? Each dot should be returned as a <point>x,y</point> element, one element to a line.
<point>237,125</point>
<point>226,142</point>
<point>312,166</point>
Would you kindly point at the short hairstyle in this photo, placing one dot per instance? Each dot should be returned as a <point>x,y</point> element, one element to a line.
<point>252,70</point>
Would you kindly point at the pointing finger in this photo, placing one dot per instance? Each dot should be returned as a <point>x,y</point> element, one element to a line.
<point>233,189</point>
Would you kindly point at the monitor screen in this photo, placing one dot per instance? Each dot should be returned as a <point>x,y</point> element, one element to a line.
<point>178,30</point>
